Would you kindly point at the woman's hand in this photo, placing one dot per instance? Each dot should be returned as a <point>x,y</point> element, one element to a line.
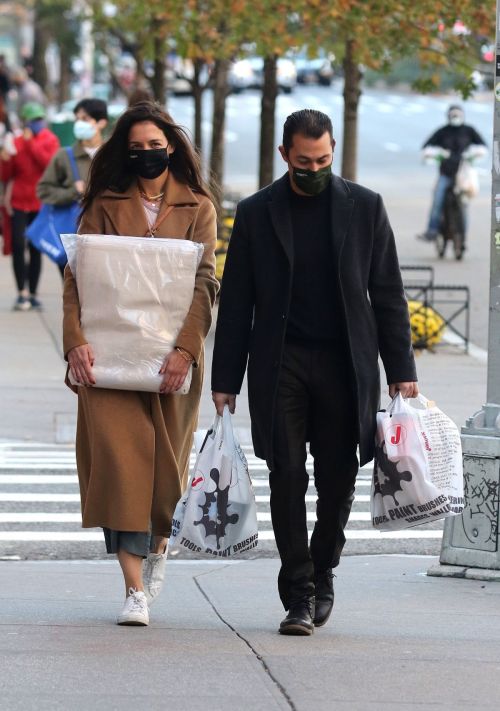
<point>81,360</point>
<point>174,370</point>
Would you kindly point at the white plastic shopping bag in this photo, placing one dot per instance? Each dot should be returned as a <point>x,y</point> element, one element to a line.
<point>217,516</point>
<point>467,180</point>
<point>135,294</point>
<point>418,474</point>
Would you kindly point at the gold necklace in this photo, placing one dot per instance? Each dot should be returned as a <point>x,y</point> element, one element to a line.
<point>151,198</point>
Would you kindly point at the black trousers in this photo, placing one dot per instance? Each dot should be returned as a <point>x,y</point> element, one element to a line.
<point>315,404</point>
<point>25,273</point>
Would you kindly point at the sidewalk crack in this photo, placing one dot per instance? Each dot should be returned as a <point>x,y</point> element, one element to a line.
<point>260,659</point>
<point>52,335</point>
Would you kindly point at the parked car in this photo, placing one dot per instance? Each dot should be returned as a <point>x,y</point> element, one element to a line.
<point>286,73</point>
<point>314,70</point>
<point>179,85</point>
<point>241,76</point>
<point>179,74</point>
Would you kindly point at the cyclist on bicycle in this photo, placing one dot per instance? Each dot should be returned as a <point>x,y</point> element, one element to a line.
<point>454,139</point>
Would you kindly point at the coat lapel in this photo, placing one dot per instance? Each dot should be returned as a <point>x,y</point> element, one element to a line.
<point>185,205</point>
<point>279,207</point>
<point>126,213</point>
<point>341,214</point>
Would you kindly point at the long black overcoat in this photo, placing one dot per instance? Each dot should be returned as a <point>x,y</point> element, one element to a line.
<point>255,300</point>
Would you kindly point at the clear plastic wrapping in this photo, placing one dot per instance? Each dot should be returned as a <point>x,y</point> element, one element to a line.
<point>135,294</point>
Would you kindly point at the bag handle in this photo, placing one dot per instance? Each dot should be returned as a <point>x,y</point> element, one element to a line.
<point>223,420</point>
<point>72,161</point>
<point>425,401</point>
<point>398,403</point>
<point>228,427</point>
<point>212,431</point>
<point>397,400</point>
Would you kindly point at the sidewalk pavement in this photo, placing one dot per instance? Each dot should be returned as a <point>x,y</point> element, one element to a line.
<point>397,639</point>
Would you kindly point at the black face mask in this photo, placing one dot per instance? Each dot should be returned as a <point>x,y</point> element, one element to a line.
<point>148,164</point>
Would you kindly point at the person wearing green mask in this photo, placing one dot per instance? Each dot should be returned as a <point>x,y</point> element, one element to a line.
<point>65,178</point>
<point>311,295</point>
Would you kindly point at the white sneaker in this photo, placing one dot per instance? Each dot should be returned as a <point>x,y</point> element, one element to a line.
<point>153,573</point>
<point>135,610</point>
<point>22,303</point>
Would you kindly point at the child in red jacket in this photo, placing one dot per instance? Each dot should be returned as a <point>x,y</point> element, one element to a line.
<point>21,172</point>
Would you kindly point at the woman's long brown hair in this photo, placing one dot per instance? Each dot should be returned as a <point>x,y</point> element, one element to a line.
<point>109,169</point>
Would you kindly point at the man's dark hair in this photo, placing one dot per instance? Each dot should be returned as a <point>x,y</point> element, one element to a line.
<point>308,122</point>
<point>95,108</point>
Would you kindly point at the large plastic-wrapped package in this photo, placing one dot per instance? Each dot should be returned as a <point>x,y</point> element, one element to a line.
<point>135,294</point>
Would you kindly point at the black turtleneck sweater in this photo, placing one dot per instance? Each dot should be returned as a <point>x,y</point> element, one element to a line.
<point>315,309</point>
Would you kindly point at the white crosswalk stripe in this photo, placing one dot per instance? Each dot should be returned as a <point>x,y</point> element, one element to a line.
<point>263,535</point>
<point>40,504</point>
<point>42,517</point>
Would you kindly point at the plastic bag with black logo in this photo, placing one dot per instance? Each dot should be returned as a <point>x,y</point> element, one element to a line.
<point>418,475</point>
<point>217,516</point>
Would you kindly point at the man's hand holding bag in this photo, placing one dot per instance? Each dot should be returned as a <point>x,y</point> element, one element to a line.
<point>418,475</point>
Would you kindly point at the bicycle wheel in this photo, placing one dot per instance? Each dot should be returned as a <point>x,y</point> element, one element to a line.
<point>440,245</point>
<point>446,232</point>
<point>458,247</point>
<point>455,223</point>
<point>458,229</point>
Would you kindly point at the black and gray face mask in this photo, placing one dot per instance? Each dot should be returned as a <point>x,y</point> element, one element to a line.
<point>148,164</point>
<point>312,182</point>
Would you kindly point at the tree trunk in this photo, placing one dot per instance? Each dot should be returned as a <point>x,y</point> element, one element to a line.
<point>65,75</point>
<point>220,93</point>
<point>158,84</point>
<point>198,89</point>
<point>267,119</point>
<point>40,44</point>
<point>352,93</point>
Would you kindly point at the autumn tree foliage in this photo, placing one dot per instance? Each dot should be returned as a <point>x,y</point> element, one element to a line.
<point>209,33</point>
<point>361,33</point>
<point>375,33</point>
<point>273,27</point>
<point>143,28</point>
<point>55,21</point>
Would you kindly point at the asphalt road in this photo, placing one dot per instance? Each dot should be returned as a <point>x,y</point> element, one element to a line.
<point>40,511</point>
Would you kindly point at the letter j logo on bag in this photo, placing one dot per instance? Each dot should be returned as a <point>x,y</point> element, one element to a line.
<point>396,435</point>
<point>197,482</point>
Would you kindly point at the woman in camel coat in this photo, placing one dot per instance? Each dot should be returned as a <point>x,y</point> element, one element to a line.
<point>132,447</point>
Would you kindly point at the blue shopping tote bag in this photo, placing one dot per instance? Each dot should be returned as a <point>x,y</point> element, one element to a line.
<point>54,220</point>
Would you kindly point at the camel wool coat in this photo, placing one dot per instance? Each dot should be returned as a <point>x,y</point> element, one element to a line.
<point>132,448</point>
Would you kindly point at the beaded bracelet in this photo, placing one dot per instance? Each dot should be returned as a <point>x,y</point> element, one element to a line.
<point>185,354</point>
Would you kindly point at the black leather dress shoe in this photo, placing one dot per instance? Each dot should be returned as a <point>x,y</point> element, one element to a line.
<point>324,597</point>
<point>299,620</point>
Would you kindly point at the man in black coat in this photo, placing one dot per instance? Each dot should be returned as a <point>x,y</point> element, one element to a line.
<point>311,294</point>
